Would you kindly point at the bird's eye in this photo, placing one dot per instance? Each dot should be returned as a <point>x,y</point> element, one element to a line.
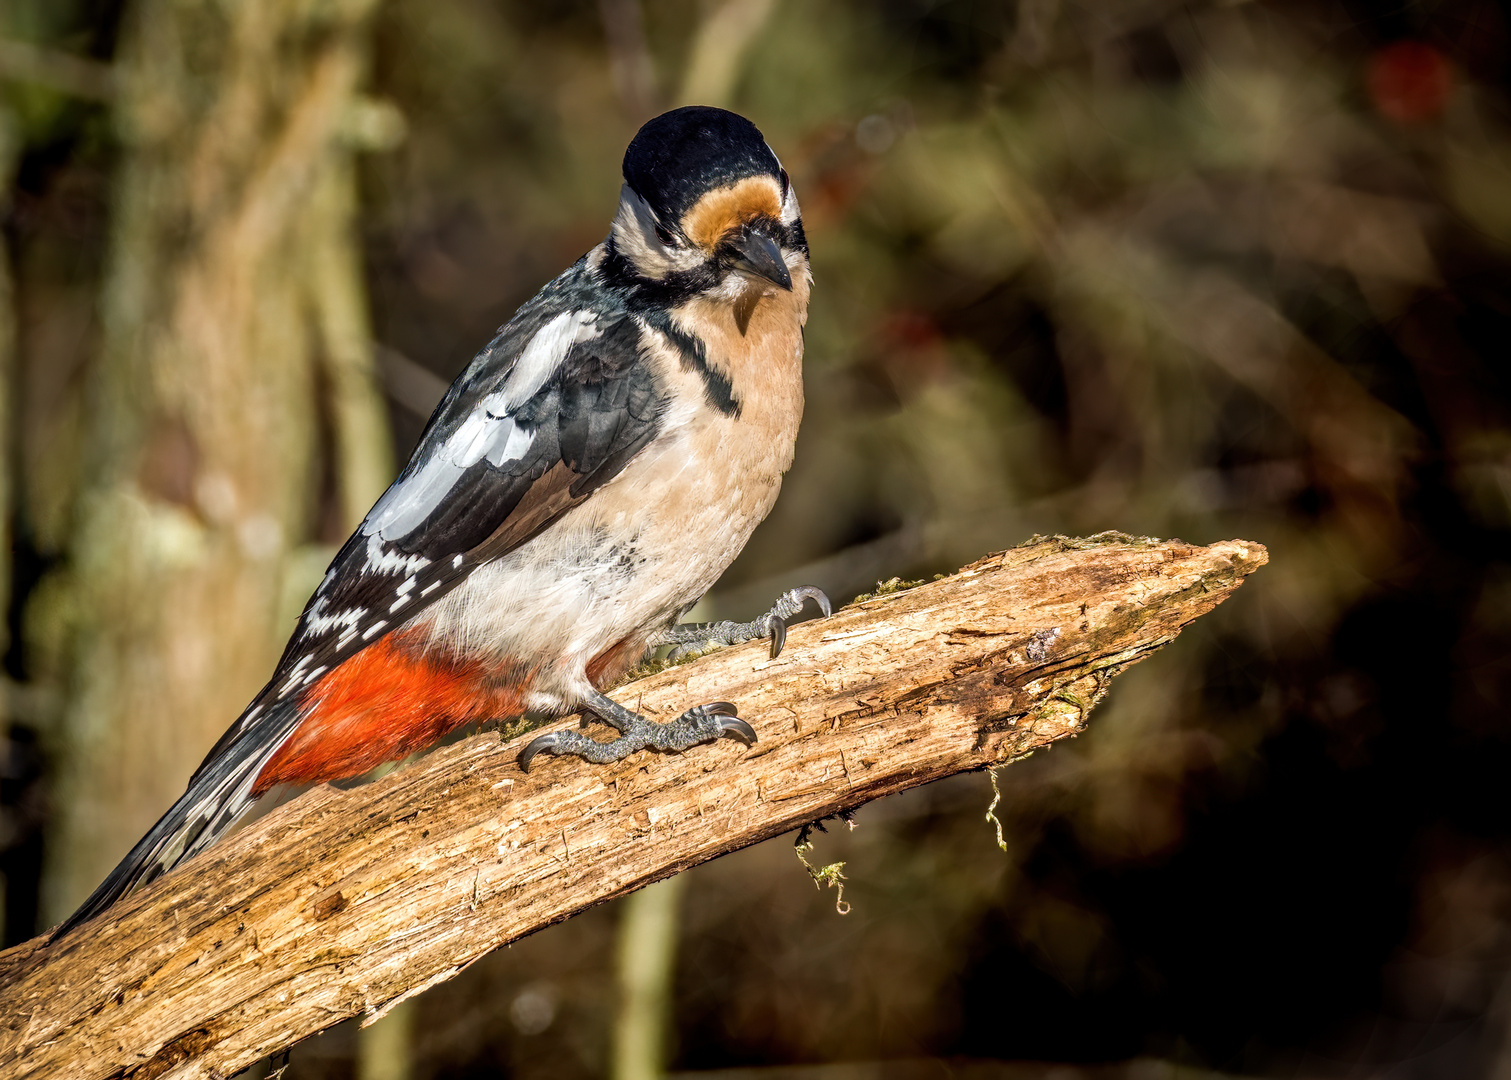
<point>786,183</point>
<point>665,236</point>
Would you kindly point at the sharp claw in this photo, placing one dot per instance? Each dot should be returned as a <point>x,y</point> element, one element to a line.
<point>809,592</point>
<point>778,627</point>
<point>735,728</point>
<point>720,708</point>
<point>544,744</point>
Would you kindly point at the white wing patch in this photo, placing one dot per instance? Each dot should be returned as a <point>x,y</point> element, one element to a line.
<point>489,433</point>
<point>547,349</point>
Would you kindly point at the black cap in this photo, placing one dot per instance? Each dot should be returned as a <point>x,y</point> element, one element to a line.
<point>677,157</point>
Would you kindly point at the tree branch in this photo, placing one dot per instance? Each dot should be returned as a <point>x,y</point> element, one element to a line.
<point>344,903</point>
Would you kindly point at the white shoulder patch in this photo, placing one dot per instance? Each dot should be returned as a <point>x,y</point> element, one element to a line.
<point>790,211</point>
<point>634,232</point>
<point>489,432</point>
<point>542,356</point>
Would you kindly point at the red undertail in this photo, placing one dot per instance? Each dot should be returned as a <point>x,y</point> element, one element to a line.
<point>383,704</point>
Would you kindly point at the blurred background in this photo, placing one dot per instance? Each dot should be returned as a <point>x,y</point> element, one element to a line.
<point>1204,269</point>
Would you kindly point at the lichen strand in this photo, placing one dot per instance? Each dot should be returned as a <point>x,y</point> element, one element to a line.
<point>514,728</point>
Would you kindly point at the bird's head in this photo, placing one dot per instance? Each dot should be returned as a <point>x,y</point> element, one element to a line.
<point>706,208</point>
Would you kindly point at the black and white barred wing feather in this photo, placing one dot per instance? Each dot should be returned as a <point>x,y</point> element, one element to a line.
<point>556,405</point>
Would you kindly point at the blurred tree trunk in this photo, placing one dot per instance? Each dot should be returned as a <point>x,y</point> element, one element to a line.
<point>234,334</point>
<point>717,57</point>
<point>385,1050</point>
<point>9,151</point>
<point>645,968</point>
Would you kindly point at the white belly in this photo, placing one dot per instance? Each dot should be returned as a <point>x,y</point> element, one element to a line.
<point>626,562</point>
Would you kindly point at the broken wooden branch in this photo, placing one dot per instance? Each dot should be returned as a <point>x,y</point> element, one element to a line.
<point>343,903</point>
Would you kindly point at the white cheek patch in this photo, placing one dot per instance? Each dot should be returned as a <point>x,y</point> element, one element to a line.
<point>790,211</point>
<point>489,433</point>
<point>634,232</point>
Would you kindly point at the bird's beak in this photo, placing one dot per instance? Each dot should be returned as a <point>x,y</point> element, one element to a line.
<point>760,256</point>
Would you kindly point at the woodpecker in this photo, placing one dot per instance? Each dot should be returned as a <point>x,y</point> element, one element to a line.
<point>581,485</point>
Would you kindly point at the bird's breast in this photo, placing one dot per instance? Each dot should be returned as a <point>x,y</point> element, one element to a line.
<point>755,341</point>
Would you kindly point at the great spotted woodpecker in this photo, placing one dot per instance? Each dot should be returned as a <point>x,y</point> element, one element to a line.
<point>584,481</point>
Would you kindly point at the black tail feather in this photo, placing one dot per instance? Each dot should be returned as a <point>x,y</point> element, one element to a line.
<point>219,793</point>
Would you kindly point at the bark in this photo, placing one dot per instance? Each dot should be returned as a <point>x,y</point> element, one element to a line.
<point>231,333</point>
<point>344,903</point>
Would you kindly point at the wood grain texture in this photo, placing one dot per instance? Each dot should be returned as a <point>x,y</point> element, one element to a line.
<point>345,902</point>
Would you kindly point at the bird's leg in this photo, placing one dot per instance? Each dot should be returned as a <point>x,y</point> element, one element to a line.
<point>700,724</point>
<point>703,637</point>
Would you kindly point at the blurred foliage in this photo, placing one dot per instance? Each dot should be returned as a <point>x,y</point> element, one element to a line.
<point>1206,269</point>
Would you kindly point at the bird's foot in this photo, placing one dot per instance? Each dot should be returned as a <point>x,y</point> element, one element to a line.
<point>704,637</point>
<point>700,724</point>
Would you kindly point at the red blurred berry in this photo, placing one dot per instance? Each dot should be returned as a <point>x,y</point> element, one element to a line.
<point>1409,81</point>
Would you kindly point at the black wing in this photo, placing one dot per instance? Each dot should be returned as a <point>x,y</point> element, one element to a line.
<point>554,407</point>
